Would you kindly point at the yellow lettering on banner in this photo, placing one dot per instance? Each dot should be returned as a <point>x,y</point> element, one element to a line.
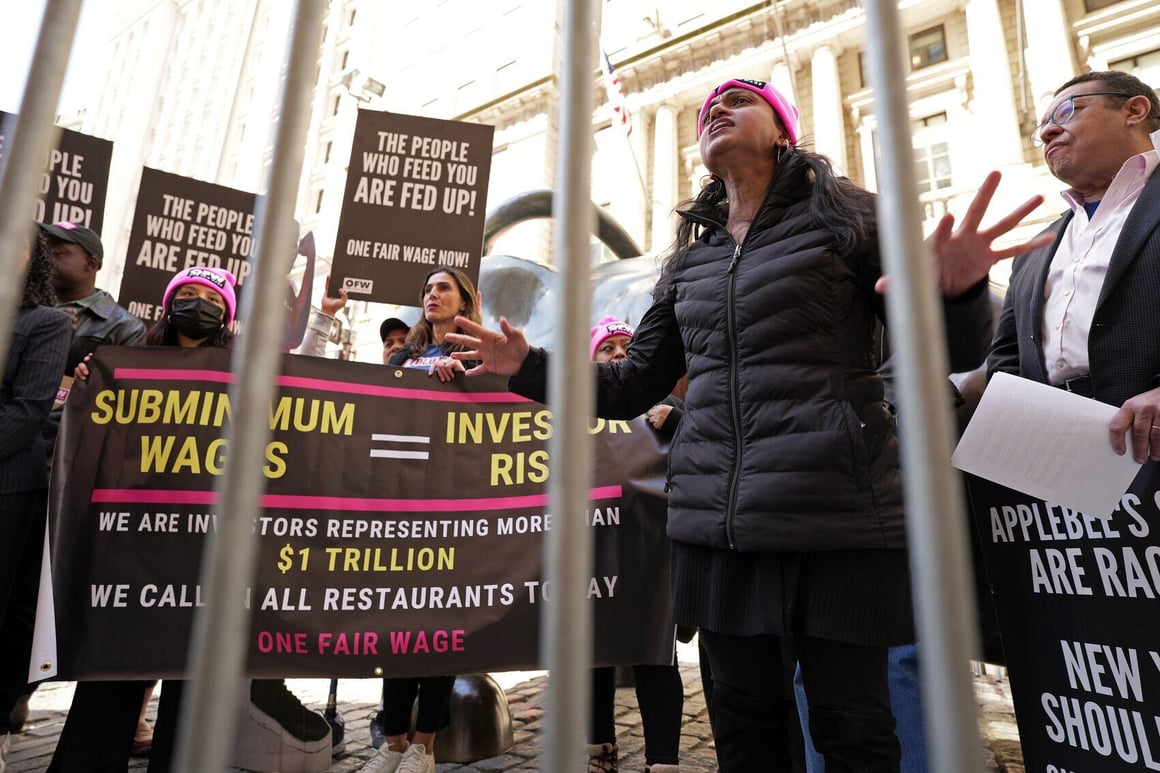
<point>275,464</point>
<point>303,415</point>
<point>150,406</point>
<point>157,456</point>
<point>153,406</point>
<point>187,457</point>
<point>155,452</point>
<point>212,409</point>
<point>516,427</point>
<point>518,468</point>
<point>215,457</point>
<point>397,560</point>
<point>512,427</point>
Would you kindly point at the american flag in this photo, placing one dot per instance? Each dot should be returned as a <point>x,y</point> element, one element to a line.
<point>615,94</point>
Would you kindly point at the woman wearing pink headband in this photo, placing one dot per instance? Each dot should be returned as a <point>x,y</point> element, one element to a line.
<point>785,496</point>
<point>659,690</point>
<point>200,303</point>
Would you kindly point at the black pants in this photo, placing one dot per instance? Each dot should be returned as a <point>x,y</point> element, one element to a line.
<point>98,732</point>
<point>399,697</point>
<point>848,695</point>
<point>22,517</point>
<point>661,697</point>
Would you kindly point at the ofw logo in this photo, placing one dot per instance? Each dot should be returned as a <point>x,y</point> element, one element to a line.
<point>355,285</point>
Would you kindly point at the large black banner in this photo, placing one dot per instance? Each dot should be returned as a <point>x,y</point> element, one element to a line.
<point>180,222</point>
<point>76,177</point>
<point>1076,596</point>
<point>416,195</point>
<point>402,527</point>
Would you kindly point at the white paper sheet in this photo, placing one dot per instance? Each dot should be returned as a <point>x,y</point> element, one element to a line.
<point>1046,442</point>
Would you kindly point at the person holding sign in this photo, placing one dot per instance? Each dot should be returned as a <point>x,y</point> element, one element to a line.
<point>447,292</point>
<point>785,501</point>
<point>1080,313</point>
<point>659,689</point>
<point>36,356</point>
<point>77,253</point>
<point>199,305</point>
<point>394,332</point>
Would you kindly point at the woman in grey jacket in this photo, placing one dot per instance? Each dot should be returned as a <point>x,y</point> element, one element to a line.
<point>785,506</point>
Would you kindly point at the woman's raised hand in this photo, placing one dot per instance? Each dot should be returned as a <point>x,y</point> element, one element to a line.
<point>501,353</point>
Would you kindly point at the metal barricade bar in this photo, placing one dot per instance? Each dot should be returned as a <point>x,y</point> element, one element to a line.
<point>935,520</point>
<point>567,633</point>
<point>221,628</point>
<point>27,149</point>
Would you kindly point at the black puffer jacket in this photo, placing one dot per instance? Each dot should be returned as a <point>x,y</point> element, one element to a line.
<point>786,443</point>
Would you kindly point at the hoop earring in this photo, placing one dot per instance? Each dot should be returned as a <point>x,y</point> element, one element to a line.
<point>779,151</point>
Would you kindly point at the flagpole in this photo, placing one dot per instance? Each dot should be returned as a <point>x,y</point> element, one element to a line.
<point>639,174</point>
<point>619,106</point>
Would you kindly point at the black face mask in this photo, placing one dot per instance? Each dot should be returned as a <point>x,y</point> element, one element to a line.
<point>196,318</point>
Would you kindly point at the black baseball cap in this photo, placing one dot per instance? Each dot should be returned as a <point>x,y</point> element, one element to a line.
<point>77,234</point>
<point>390,324</point>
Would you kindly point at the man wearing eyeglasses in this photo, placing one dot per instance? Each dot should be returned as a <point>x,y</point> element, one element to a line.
<point>1083,309</point>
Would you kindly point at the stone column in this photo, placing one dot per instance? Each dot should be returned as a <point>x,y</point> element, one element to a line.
<point>829,128</point>
<point>782,80</point>
<point>664,178</point>
<point>993,105</point>
<point>1050,56</point>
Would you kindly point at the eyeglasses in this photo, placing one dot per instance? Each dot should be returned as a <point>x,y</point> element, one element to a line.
<point>1063,113</point>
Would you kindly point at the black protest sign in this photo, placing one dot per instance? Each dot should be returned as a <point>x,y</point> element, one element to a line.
<point>416,191</point>
<point>1076,596</point>
<point>179,223</point>
<point>75,182</point>
<point>402,526</point>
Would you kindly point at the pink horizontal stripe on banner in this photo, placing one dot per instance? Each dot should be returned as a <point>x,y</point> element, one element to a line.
<point>296,502</point>
<point>387,391</point>
<point>167,374</point>
<point>222,377</point>
<point>153,496</point>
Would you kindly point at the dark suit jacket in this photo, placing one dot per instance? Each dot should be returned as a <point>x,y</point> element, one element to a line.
<point>36,356</point>
<point>1124,342</point>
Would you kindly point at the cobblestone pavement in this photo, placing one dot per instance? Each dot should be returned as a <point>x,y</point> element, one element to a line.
<point>32,750</point>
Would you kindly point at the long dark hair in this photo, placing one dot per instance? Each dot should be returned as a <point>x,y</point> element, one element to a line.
<point>163,333</point>
<point>836,204</point>
<point>38,287</point>
<point>422,335</point>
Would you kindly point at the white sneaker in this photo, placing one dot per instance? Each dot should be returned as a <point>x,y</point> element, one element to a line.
<point>416,760</point>
<point>384,761</point>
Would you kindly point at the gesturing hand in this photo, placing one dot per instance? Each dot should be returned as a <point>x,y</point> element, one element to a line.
<point>964,255</point>
<point>501,353</point>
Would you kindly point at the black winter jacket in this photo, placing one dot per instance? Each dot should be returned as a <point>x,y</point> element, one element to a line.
<point>104,322</point>
<point>786,443</point>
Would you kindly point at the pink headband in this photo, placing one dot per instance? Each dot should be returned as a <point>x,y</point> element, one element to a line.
<point>783,107</point>
<point>607,328</point>
<point>214,278</point>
